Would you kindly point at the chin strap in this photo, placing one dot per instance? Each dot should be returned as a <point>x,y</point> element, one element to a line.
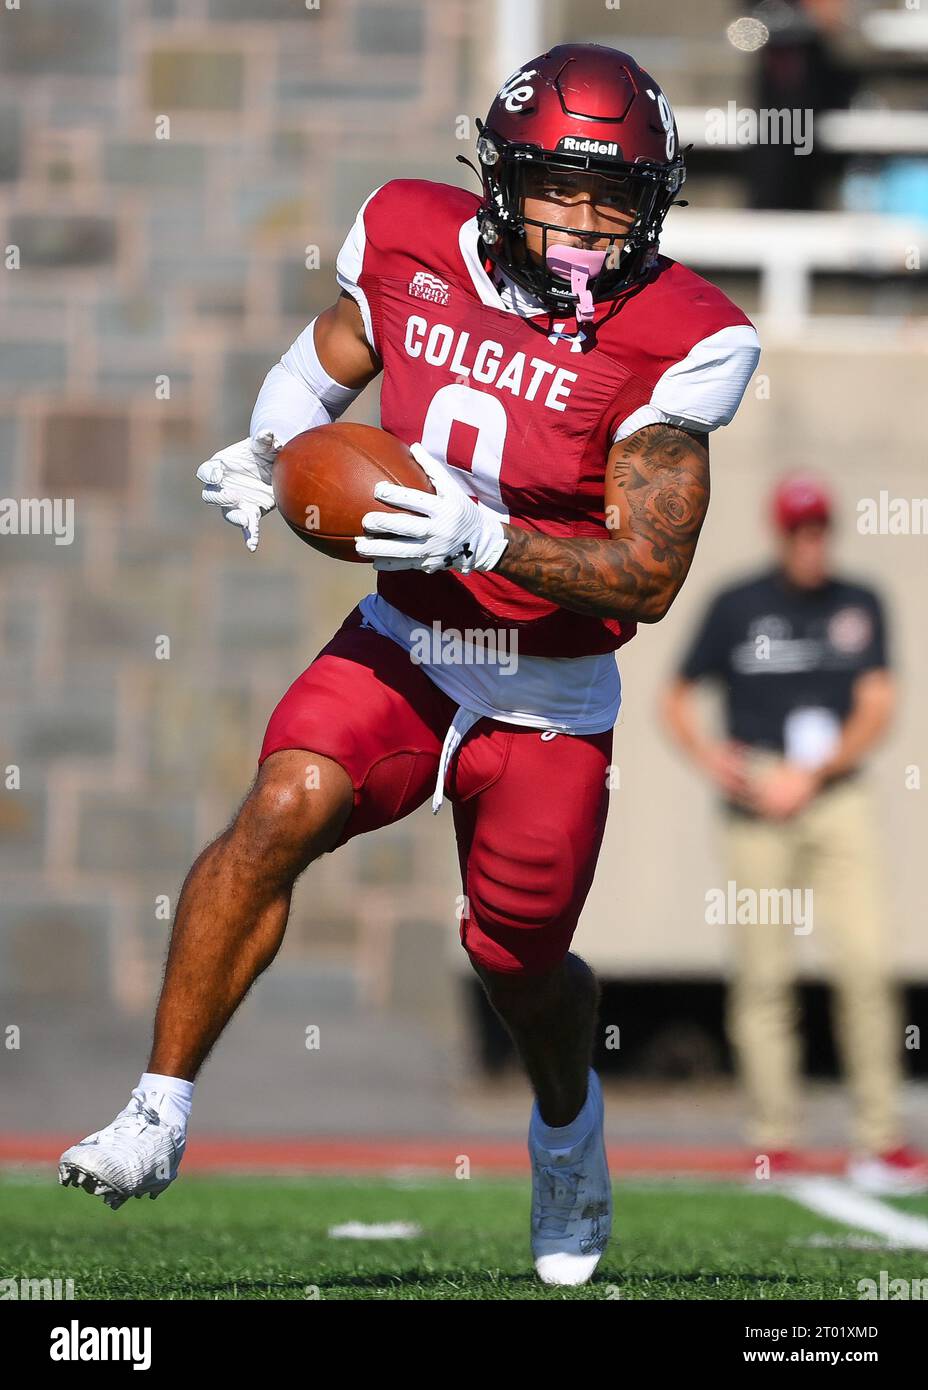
<point>570,262</point>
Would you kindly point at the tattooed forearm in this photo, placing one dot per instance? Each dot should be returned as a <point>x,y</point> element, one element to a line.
<point>581,574</point>
<point>657,493</point>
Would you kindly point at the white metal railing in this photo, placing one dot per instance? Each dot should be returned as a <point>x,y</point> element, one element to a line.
<point>874,132</point>
<point>787,248</point>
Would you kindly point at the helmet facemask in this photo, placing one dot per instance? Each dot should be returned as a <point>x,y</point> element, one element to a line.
<point>511,173</point>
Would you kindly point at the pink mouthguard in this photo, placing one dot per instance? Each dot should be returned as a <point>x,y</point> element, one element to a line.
<point>577,266</point>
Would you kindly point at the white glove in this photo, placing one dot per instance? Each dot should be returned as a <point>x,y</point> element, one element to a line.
<point>451,530</point>
<point>238,479</point>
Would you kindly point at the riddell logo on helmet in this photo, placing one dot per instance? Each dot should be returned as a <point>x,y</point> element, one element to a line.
<point>571,145</point>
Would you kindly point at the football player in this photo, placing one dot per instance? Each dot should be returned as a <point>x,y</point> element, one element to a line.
<point>558,380</point>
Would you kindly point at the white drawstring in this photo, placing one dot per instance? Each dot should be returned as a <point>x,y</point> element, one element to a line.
<point>463,720</point>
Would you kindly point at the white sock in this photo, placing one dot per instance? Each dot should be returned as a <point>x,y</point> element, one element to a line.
<point>554,1137</point>
<point>175,1096</point>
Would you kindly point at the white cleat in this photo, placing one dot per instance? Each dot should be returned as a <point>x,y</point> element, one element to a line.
<point>571,1202</point>
<point>137,1154</point>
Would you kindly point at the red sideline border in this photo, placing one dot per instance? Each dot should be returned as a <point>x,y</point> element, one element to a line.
<point>382,1154</point>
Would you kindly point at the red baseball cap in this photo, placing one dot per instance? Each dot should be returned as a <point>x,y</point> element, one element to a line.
<point>798,500</point>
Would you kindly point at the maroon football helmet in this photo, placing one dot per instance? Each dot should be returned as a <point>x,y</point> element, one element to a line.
<point>578,107</point>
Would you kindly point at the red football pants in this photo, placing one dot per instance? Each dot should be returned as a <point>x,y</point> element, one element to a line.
<point>529,811</point>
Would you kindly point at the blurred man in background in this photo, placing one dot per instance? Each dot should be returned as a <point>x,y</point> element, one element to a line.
<point>802,661</point>
<point>799,68</point>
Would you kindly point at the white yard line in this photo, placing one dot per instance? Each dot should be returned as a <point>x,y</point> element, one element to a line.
<point>382,1230</point>
<point>841,1202</point>
<point>821,1241</point>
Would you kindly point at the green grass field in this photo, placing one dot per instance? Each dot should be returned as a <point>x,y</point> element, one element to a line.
<point>267,1238</point>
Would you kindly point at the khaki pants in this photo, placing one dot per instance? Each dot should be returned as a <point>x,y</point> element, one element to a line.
<point>830,848</point>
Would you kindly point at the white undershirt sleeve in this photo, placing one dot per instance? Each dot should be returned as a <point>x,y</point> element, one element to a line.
<point>704,389</point>
<point>298,392</point>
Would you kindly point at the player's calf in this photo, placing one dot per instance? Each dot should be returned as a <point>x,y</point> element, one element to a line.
<point>230,922</point>
<point>233,908</point>
<point>551,1018</point>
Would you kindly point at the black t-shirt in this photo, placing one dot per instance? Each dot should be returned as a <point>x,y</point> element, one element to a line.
<point>777,648</point>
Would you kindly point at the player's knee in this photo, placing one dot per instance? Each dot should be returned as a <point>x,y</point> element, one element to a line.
<point>509,934</point>
<point>508,956</point>
<point>298,805</point>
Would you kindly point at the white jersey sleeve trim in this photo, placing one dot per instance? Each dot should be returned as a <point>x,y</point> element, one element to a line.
<point>704,389</point>
<point>349,265</point>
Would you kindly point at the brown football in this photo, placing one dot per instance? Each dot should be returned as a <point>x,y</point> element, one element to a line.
<point>324,482</point>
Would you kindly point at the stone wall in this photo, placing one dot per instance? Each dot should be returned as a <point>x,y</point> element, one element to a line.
<point>149,283</point>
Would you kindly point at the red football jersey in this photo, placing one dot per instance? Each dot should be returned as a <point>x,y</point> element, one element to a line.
<point>525,416</point>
